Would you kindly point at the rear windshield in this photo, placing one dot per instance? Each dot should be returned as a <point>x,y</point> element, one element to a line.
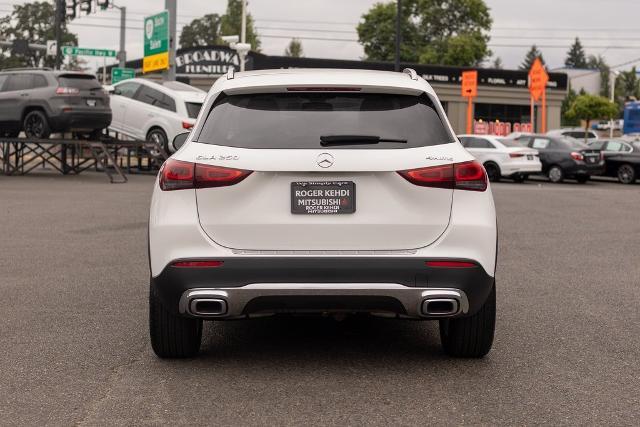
<point>573,143</point>
<point>79,82</point>
<point>193,108</point>
<point>299,120</point>
<point>509,142</point>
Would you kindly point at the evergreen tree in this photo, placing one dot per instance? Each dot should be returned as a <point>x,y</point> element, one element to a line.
<point>576,57</point>
<point>530,57</point>
<point>294,49</point>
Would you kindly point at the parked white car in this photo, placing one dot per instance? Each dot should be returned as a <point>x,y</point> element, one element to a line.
<point>502,157</point>
<point>577,133</point>
<point>151,111</point>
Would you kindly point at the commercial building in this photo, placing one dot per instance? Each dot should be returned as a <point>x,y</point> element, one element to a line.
<point>503,95</point>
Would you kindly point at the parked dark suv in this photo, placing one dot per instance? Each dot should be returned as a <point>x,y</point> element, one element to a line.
<point>41,101</point>
<point>565,157</point>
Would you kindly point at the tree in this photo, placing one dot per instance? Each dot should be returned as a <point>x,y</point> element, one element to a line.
<point>566,104</point>
<point>497,63</point>
<point>452,32</point>
<point>599,63</point>
<point>35,23</point>
<point>530,57</point>
<point>294,49</point>
<point>231,23</point>
<point>209,29</point>
<point>627,85</point>
<point>202,31</point>
<point>589,107</point>
<point>576,57</point>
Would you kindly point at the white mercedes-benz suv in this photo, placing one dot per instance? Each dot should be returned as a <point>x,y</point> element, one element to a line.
<point>322,192</point>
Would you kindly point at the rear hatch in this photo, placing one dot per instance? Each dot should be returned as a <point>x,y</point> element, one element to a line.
<point>324,171</point>
<point>82,91</point>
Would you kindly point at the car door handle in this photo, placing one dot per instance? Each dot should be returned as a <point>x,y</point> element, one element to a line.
<point>24,94</point>
<point>151,115</point>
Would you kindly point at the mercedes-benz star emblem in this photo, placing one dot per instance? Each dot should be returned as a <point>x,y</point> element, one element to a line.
<point>325,160</point>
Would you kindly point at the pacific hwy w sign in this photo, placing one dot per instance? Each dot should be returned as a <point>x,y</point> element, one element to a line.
<point>82,51</point>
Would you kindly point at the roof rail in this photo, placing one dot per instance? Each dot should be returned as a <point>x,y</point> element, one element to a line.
<point>411,72</point>
<point>27,69</point>
<point>230,73</point>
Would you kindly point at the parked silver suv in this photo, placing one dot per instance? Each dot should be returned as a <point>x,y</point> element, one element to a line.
<point>40,102</point>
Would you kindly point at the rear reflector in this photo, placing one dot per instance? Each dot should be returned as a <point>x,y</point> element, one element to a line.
<point>461,176</point>
<point>323,89</point>
<point>198,264</point>
<point>514,155</point>
<point>179,175</point>
<point>450,264</point>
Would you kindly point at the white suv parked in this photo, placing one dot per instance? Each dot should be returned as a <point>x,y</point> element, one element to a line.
<point>157,112</point>
<point>322,191</point>
<point>502,157</point>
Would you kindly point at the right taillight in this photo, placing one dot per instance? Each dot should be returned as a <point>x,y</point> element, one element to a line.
<point>577,156</point>
<point>180,175</point>
<point>460,176</point>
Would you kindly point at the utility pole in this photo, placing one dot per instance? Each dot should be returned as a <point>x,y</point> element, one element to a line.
<point>172,7</point>
<point>122,55</point>
<point>243,32</point>
<point>398,34</point>
<point>61,10</point>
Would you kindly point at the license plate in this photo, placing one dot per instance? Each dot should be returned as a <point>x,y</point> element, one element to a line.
<point>529,157</point>
<point>323,197</point>
<point>91,102</point>
<point>591,159</point>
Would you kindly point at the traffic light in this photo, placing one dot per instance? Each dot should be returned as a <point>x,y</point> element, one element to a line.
<point>71,6</point>
<point>86,6</point>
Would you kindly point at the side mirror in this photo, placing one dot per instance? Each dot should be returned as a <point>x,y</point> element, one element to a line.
<point>179,140</point>
<point>110,89</point>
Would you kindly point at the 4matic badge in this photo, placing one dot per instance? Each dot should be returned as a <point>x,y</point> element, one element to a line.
<point>217,157</point>
<point>440,158</point>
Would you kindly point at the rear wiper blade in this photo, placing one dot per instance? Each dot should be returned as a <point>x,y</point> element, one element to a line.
<point>327,140</point>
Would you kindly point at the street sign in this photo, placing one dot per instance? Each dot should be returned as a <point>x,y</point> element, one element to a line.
<point>82,51</point>
<point>120,74</point>
<point>470,84</point>
<point>156,42</point>
<point>469,90</point>
<point>538,79</point>
<point>51,47</point>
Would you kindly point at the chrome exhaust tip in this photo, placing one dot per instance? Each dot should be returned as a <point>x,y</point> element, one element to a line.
<point>206,307</point>
<point>440,307</point>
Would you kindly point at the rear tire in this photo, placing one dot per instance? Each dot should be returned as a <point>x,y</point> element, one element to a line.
<point>626,174</point>
<point>519,178</point>
<point>555,174</point>
<point>159,137</point>
<point>493,172</point>
<point>470,336</point>
<point>172,336</point>
<point>36,125</point>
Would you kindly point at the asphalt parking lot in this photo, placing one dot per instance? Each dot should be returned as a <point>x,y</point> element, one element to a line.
<point>75,350</point>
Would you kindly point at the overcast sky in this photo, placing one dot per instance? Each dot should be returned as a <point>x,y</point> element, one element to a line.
<point>607,27</point>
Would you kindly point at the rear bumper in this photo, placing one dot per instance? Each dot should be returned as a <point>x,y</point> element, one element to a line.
<point>81,120</point>
<point>584,169</point>
<point>257,286</point>
<point>513,168</point>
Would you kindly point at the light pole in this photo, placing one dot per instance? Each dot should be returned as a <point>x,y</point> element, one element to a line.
<point>398,35</point>
<point>612,95</point>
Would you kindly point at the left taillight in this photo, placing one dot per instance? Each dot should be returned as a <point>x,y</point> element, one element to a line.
<point>180,175</point>
<point>61,90</point>
<point>459,176</point>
